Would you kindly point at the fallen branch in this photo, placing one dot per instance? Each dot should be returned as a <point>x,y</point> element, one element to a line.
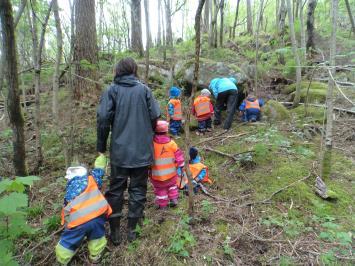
<point>220,136</point>
<point>267,200</point>
<point>321,105</point>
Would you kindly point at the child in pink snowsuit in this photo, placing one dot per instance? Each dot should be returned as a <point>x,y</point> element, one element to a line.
<point>168,161</point>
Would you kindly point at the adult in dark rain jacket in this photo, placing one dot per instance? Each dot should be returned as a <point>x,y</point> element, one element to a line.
<point>129,111</point>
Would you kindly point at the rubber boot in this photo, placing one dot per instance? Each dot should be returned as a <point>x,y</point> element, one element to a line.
<point>132,224</point>
<point>115,235</point>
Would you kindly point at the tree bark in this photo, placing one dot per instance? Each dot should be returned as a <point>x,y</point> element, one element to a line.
<point>221,30</point>
<point>159,24</point>
<point>213,30</point>
<point>58,61</point>
<point>188,109</point>
<point>13,97</point>
<point>257,44</point>
<point>249,18</point>
<point>303,35</point>
<point>296,100</point>
<point>277,7</point>
<point>350,16</point>
<point>235,19</point>
<point>282,17</point>
<point>136,25</point>
<point>206,17</point>
<point>147,30</point>
<point>20,12</point>
<point>85,50</point>
<point>327,155</point>
<point>169,32</point>
<point>312,4</point>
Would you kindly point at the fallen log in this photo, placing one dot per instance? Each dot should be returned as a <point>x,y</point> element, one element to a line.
<point>322,105</point>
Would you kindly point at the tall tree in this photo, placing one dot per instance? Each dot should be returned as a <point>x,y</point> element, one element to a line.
<point>327,155</point>
<point>85,50</point>
<point>13,97</point>
<point>235,18</point>
<point>312,4</point>
<point>249,18</point>
<point>169,31</point>
<point>206,16</point>
<point>350,16</point>
<point>188,109</point>
<point>221,30</point>
<point>38,46</point>
<point>296,100</point>
<point>159,37</point>
<point>136,24</point>
<point>213,29</point>
<point>282,17</point>
<point>257,42</point>
<point>303,35</point>
<point>59,37</point>
<point>147,30</point>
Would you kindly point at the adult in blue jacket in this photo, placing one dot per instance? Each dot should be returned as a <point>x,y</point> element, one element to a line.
<point>225,92</point>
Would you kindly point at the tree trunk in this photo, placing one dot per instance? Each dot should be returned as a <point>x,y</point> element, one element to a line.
<point>206,17</point>
<point>159,23</point>
<point>282,17</point>
<point>136,24</point>
<point>235,19</point>
<point>20,12</point>
<point>13,97</point>
<point>221,30</point>
<point>85,50</point>
<point>188,109</point>
<point>58,61</point>
<point>327,156</point>
<point>303,35</point>
<point>249,18</point>
<point>277,7</point>
<point>257,44</point>
<point>213,28</point>
<point>312,4</point>
<point>296,100</point>
<point>350,16</point>
<point>147,30</point>
<point>169,32</point>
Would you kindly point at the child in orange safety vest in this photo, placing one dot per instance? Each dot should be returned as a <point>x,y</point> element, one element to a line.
<point>84,213</point>
<point>251,108</point>
<point>203,110</point>
<point>167,165</point>
<point>198,170</point>
<point>174,112</point>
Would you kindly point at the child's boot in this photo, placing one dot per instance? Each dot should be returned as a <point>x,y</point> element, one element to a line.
<point>115,235</point>
<point>132,224</point>
<point>96,248</point>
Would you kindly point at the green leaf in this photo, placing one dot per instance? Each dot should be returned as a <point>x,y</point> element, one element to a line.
<point>184,253</point>
<point>28,180</point>
<point>4,184</point>
<point>16,187</point>
<point>10,203</point>
<point>344,237</point>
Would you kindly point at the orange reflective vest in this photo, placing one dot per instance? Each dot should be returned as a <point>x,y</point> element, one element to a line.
<point>202,105</point>
<point>177,109</point>
<point>89,205</point>
<point>252,105</point>
<point>196,168</point>
<point>164,166</point>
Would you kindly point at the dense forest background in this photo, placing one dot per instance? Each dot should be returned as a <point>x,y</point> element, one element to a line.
<point>283,187</point>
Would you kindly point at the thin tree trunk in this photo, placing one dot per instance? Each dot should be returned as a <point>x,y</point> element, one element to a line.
<point>188,109</point>
<point>350,16</point>
<point>20,12</point>
<point>169,31</point>
<point>257,45</point>
<point>327,156</point>
<point>159,23</point>
<point>235,19</point>
<point>312,4</point>
<point>296,100</point>
<point>136,24</point>
<point>303,34</point>
<point>206,17</point>
<point>221,30</point>
<point>59,38</point>
<point>277,15</point>
<point>213,28</point>
<point>147,30</point>
<point>282,17</point>
<point>249,18</point>
<point>13,97</point>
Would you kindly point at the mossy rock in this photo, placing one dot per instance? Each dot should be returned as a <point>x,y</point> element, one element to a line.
<point>317,91</point>
<point>316,113</point>
<point>276,111</point>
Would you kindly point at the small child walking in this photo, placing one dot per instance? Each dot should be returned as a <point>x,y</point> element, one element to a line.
<point>174,112</point>
<point>202,109</point>
<point>84,213</point>
<point>251,109</point>
<point>168,161</point>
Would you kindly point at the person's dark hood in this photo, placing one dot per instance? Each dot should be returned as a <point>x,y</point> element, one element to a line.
<point>126,81</point>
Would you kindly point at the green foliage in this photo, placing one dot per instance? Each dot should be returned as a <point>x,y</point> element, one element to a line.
<point>13,208</point>
<point>35,211</point>
<point>291,225</point>
<point>275,111</point>
<point>86,65</point>
<point>207,207</point>
<point>52,223</point>
<point>6,134</point>
<point>182,239</point>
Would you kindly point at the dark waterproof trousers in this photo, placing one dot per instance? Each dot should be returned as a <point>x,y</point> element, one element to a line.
<point>136,181</point>
<point>229,98</point>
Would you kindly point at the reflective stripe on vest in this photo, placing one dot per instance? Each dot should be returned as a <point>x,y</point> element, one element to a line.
<point>252,105</point>
<point>202,105</point>
<point>164,167</point>
<point>177,109</point>
<point>88,205</point>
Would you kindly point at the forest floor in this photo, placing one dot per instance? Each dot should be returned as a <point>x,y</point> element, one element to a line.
<point>261,208</point>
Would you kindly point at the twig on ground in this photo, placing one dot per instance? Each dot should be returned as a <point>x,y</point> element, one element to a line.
<point>219,136</point>
<point>232,156</point>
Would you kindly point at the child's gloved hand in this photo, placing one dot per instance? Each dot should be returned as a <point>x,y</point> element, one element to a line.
<point>101,162</point>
